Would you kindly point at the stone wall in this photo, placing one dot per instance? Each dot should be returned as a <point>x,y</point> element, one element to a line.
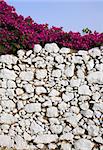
<point>51,98</point>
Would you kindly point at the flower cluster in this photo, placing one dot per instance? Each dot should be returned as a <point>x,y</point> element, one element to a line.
<point>17,32</point>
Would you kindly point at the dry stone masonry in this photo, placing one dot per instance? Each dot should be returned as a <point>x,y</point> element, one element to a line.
<point>51,98</point>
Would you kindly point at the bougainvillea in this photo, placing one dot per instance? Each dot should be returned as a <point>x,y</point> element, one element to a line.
<point>17,32</point>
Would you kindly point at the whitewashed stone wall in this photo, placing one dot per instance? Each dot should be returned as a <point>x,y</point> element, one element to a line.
<point>51,98</point>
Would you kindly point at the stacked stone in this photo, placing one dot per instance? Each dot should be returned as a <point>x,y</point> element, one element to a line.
<point>51,98</point>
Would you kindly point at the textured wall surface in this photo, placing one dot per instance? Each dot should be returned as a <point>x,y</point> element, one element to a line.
<point>51,98</point>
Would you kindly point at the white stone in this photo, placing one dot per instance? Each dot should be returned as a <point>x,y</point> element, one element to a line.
<point>22,66</point>
<point>82,52</point>
<point>94,52</point>
<point>101,47</point>
<point>62,106</point>
<point>5,127</point>
<point>52,112</point>
<point>78,131</point>
<point>87,113</point>
<point>8,59</point>
<point>37,48</point>
<point>101,147</point>
<point>86,57</point>
<point>93,130</point>
<point>40,90</point>
<point>26,75</point>
<point>40,146</point>
<point>25,96</point>
<point>98,106</point>
<point>0,109</point>
<point>90,64</point>
<point>38,83</point>
<point>97,114</point>
<point>10,93</point>
<point>27,122</point>
<point>80,74</point>
<point>67,136</point>
<point>84,90</point>
<point>41,99</point>
<point>67,97</point>
<point>77,59</point>
<point>20,53</point>
<point>11,84</point>
<point>27,136</point>
<point>41,73</point>
<point>67,128</point>
<point>99,67</point>
<point>2,92</point>
<point>98,139</point>
<point>52,146</point>
<point>54,47</point>
<point>64,50</point>
<point>60,66</point>
<point>83,144</point>
<point>28,88</point>
<point>15,67</point>
<point>54,121</point>
<point>47,103</point>
<point>48,48</point>
<point>69,71</point>
<point>46,138</point>
<point>72,119</point>
<point>95,77</point>
<point>75,82</point>
<point>56,129</point>
<point>66,146</point>
<point>27,60</point>
<point>56,100</point>
<point>8,104</point>
<point>3,83</point>
<point>75,109</point>
<point>19,91</point>
<point>96,96</point>
<point>6,141</point>
<point>56,73</point>
<point>54,93</point>
<point>20,142</point>
<point>36,128</point>
<point>20,105</point>
<point>64,82</point>
<point>33,107</point>
<point>84,106</point>
<point>7,118</point>
<point>29,52</point>
<point>7,74</point>
<point>51,47</point>
<point>59,59</point>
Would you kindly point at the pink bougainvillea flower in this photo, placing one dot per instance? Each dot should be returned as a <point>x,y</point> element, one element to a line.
<point>18,32</point>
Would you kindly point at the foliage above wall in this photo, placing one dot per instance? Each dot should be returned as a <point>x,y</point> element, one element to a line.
<point>17,32</point>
